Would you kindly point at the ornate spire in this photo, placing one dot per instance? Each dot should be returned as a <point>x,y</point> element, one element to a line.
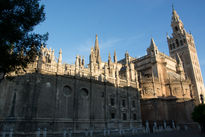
<point>109,57</point>
<point>77,61</point>
<point>152,48</point>
<point>175,16</point>
<point>80,63</point>
<point>109,60</point>
<point>106,71</point>
<point>176,23</point>
<point>60,52</point>
<point>97,50</point>
<point>115,57</point>
<point>60,56</point>
<point>91,55</point>
<point>172,6</point>
<point>127,58</point>
<point>96,43</point>
<point>152,44</point>
<point>83,61</point>
<point>179,66</point>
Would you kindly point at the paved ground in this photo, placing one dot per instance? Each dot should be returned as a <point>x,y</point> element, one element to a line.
<point>182,133</point>
<point>173,134</point>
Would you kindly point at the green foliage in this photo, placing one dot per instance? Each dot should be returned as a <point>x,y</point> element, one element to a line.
<point>198,115</point>
<point>19,45</point>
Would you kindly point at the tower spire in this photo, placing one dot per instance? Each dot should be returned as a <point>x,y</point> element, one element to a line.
<point>109,60</point>
<point>152,44</point>
<point>172,7</point>
<point>127,58</point>
<point>176,23</point>
<point>152,50</point>
<point>179,66</point>
<point>60,57</point>
<point>109,57</point>
<point>97,50</point>
<point>115,57</point>
<point>96,42</point>
<point>180,38</point>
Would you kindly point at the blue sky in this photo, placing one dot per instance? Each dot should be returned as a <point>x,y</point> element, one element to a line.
<point>121,25</point>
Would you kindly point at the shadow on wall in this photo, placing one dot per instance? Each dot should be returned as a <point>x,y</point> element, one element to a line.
<point>167,108</point>
<point>35,100</point>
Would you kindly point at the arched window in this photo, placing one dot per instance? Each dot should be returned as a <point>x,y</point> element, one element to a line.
<point>84,92</point>
<point>170,46</point>
<point>67,91</point>
<point>177,42</point>
<point>176,28</point>
<point>173,46</point>
<point>181,42</point>
<point>184,40</point>
<point>123,103</point>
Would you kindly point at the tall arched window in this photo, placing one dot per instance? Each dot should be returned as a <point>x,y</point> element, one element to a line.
<point>177,42</point>
<point>181,42</point>
<point>173,46</point>
<point>170,46</point>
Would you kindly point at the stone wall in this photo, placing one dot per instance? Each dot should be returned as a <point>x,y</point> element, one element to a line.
<point>37,100</point>
<point>169,109</point>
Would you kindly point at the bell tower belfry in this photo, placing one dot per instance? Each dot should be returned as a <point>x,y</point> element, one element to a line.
<point>182,43</point>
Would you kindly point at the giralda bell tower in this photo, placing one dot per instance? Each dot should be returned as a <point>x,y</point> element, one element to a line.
<point>182,43</point>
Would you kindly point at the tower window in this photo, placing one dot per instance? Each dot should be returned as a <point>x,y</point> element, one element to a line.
<point>181,42</point>
<point>177,42</point>
<point>176,28</point>
<point>124,116</point>
<point>173,46</point>
<point>170,46</point>
<point>112,102</point>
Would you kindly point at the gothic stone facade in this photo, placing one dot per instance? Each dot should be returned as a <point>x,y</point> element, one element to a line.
<point>112,94</point>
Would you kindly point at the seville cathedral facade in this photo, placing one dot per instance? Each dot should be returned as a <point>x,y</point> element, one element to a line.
<point>114,94</point>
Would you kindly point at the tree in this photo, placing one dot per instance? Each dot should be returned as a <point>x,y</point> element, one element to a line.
<point>19,45</point>
<point>198,115</point>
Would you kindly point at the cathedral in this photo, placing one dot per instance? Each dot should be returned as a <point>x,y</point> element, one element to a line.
<point>105,95</point>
